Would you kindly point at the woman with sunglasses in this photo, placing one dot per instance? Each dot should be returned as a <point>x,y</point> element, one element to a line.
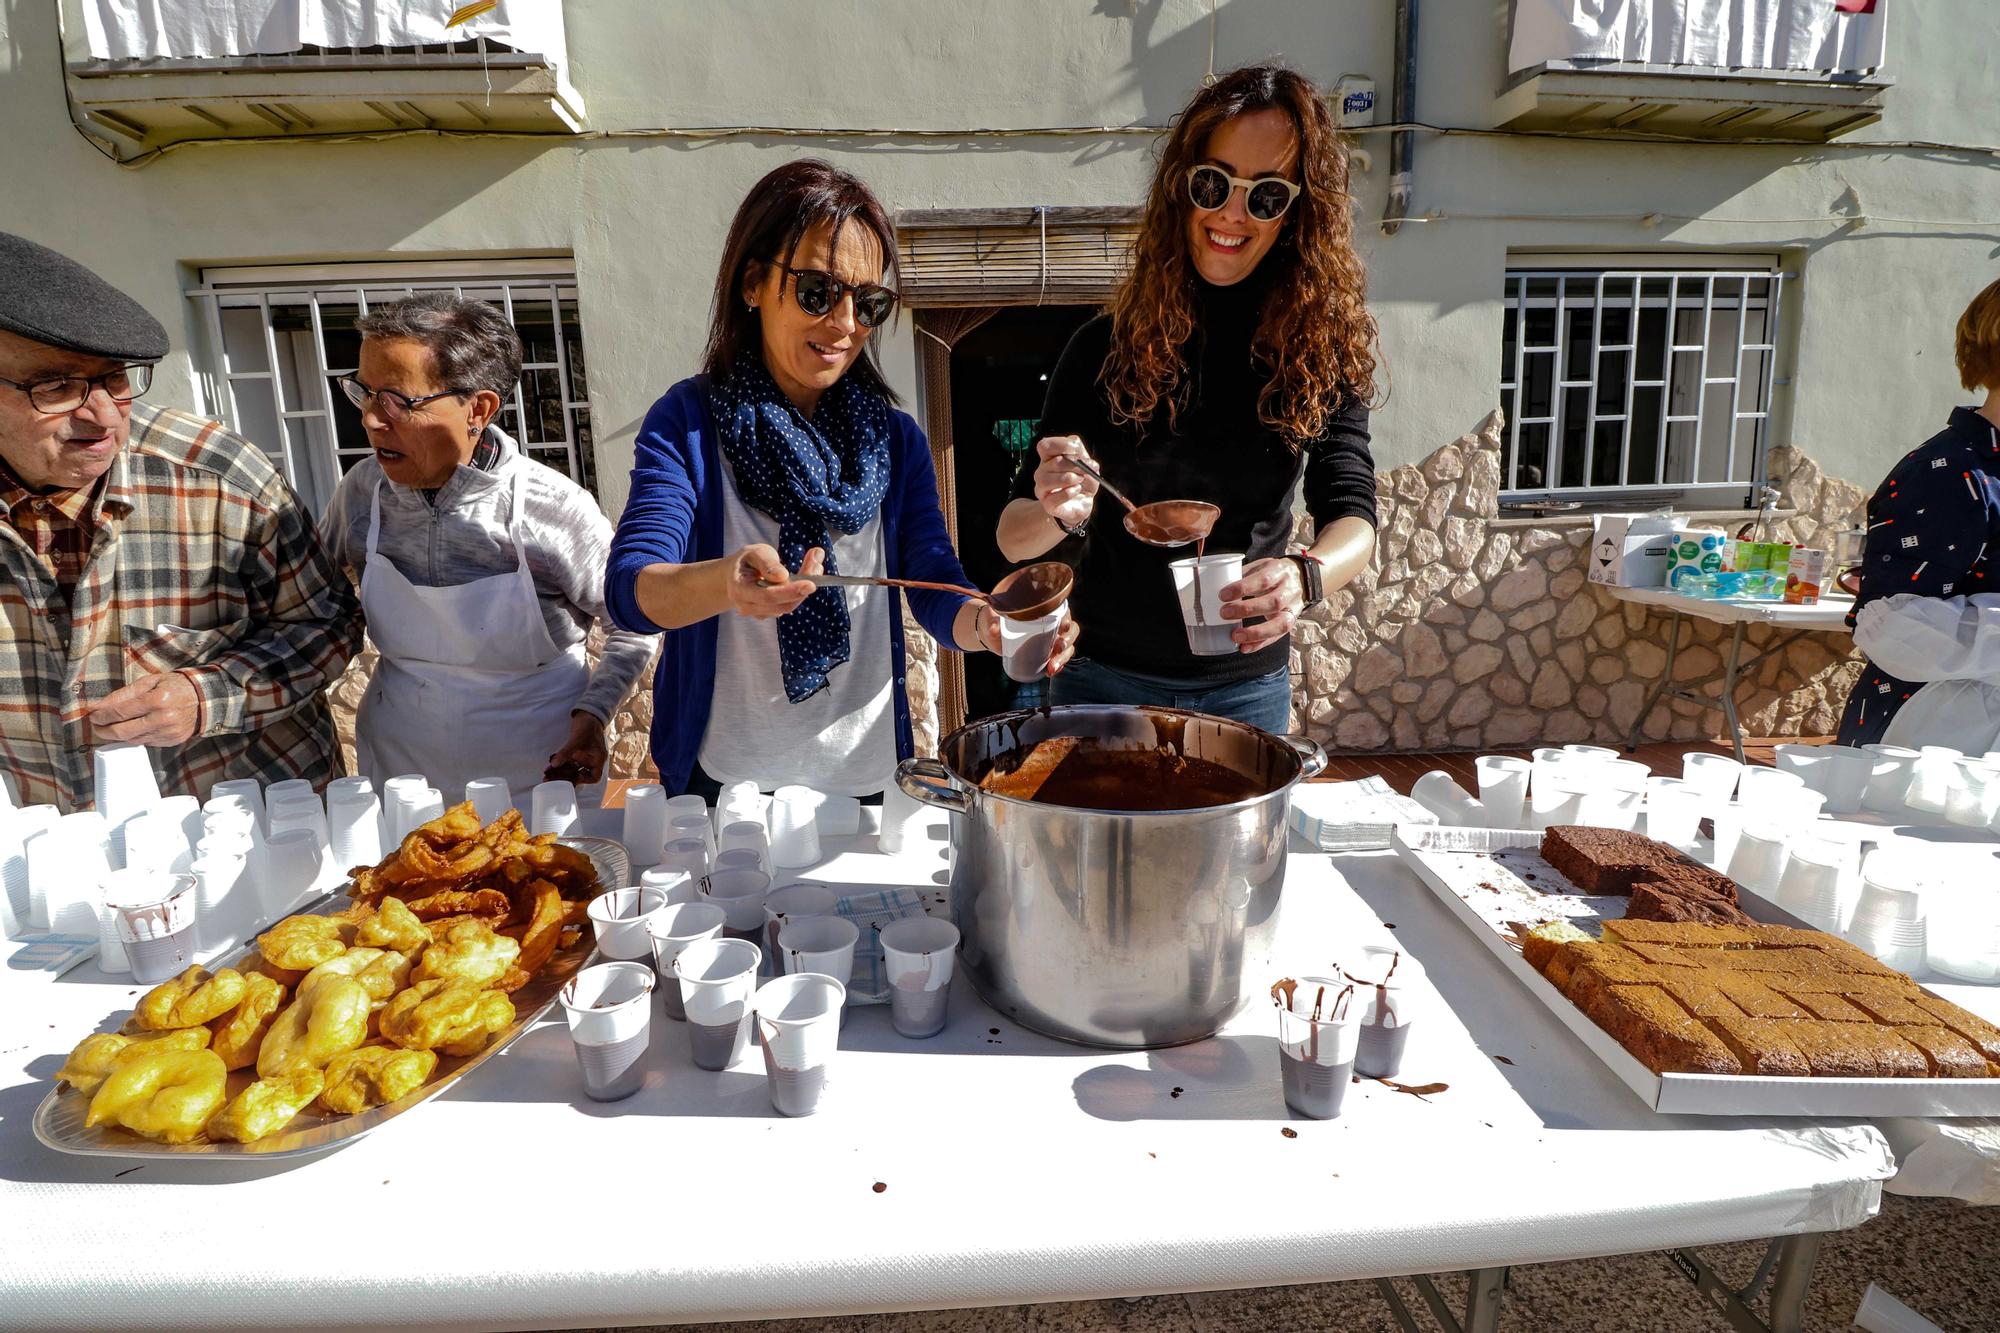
<point>1234,366</point>
<point>481,571</point>
<point>787,454</point>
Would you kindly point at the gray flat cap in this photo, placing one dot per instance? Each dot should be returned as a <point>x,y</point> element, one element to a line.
<point>55,300</point>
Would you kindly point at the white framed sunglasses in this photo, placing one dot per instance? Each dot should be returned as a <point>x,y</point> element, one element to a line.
<point>1266,198</point>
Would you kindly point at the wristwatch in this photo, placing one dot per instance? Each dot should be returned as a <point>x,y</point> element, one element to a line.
<point>1312,578</point>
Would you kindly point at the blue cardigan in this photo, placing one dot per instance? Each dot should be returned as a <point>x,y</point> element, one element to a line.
<point>674,516</point>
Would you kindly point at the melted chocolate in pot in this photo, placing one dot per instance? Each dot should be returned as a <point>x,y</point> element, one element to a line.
<point>1123,780</point>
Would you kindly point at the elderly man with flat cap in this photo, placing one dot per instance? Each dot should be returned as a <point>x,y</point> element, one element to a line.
<point>163,584</point>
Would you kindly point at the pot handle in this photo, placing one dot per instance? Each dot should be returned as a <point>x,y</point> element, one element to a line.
<point>1312,755</point>
<point>930,782</point>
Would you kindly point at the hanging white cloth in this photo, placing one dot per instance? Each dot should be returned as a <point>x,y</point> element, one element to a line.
<point>1744,34</point>
<point>1952,644</point>
<point>203,29</point>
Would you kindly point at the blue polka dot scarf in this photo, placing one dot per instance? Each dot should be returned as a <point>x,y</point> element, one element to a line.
<point>815,477</point>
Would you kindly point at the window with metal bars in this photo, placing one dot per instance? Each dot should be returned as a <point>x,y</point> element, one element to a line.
<point>1638,380</point>
<point>302,322</point>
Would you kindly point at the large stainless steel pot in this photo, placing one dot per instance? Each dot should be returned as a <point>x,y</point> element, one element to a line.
<point>1115,928</point>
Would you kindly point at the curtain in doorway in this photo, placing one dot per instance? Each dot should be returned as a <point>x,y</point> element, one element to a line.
<point>939,329</point>
<point>1742,34</point>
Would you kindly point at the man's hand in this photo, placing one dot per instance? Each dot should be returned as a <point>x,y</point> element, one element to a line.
<point>153,710</point>
<point>582,756</point>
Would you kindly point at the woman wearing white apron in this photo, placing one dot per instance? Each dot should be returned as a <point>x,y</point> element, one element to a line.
<point>481,571</point>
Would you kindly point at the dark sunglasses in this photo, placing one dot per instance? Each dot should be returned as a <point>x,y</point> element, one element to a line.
<point>1266,197</point>
<point>818,292</point>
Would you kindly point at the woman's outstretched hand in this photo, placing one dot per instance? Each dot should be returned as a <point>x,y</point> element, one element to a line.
<point>758,565</point>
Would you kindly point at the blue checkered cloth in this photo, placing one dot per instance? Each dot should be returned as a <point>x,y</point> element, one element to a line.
<point>872,909</point>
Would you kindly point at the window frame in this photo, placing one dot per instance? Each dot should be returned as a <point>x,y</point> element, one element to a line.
<point>1594,271</point>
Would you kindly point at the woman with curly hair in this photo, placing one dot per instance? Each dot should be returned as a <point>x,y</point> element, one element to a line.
<point>1235,365</point>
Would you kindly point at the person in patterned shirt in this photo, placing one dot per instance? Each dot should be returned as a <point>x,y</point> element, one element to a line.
<point>1932,561</point>
<point>162,583</point>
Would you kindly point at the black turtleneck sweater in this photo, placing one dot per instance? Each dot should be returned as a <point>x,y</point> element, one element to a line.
<point>1124,600</point>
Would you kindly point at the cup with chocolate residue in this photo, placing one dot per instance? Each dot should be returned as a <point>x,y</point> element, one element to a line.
<point>798,1025</point>
<point>1386,983</point>
<point>610,1012</point>
<point>917,957</point>
<point>1319,1031</point>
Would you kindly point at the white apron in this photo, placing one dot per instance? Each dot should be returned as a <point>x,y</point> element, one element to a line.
<point>470,684</point>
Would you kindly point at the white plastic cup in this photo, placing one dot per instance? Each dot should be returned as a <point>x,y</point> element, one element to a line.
<point>1386,983</point>
<point>354,833</point>
<point>798,1024</point>
<point>686,854</point>
<point>1208,634</point>
<point>490,798</point>
<point>682,827</point>
<point>1438,792</point>
<point>1025,645</point>
<point>1503,788</point>
<point>1974,796</point>
<point>1849,771</point>
<point>1758,861</point>
<point>742,799</point>
<point>1714,775</point>
<point>26,821</point>
<point>742,858</point>
<point>1557,793</point>
<point>125,784</point>
<point>917,957</point>
<point>685,804</point>
<point>740,894</point>
<point>837,816</point>
<point>744,833</point>
<point>287,787</point>
<point>789,903</point>
<point>232,843</point>
<point>223,906</point>
<point>293,864</point>
<point>1888,777</point>
<point>555,807</point>
<point>902,819</point>
<point>794,834</point>
<point>249,789</point>
<point>111,956</point>
<point>1962,938</point>
<point>673,929</point>
<point>1545,796</point>
<point>823,944</point>
<point>1931,779</point>
<point>610,1013</point>
<point>59,894</point>
<point>154,913</point>
<point>622,918</point>
<point>1799,807</point>
<point>1758,786</point>
<point>1616,792</point>
<point>295,811</point>
<point>1810,885</point>
<point>673,883</point>
<point>1810,762</point>
<point>645,822</point>
<point>1673,809</point>
<point>717,978</point>
<point>1316,1055</point>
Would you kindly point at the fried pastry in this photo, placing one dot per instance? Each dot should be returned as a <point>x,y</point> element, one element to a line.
<point>391,925</point>
<point>374,1076</point>
<point>96,1056</point>
<point>468,952</point>
<point>190,999</point>
<point>266,1106</point>
<point>445,1015</point>
<point>163,1095</point>
<point>302,942</point>
<point>381,972</point>
<point>240,1032</point>
<point>323,1019</point>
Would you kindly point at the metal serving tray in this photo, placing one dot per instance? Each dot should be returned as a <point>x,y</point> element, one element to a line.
<point>59,1119</point>
<point>1493,879</point>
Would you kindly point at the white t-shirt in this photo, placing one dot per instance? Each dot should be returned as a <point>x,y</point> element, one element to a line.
<point>843,739</point>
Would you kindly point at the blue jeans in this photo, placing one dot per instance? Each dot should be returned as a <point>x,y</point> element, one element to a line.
<point>1263,701</point>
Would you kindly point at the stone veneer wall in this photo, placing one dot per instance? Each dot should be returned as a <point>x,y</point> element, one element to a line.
<point>1472,631</point>
<point>630,726</point>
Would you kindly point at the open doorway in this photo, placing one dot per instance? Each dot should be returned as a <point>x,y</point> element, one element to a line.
<point>999,377</point>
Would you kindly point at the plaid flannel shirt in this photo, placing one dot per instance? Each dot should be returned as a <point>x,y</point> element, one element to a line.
<point>56,527</point>
<point>203,562</point>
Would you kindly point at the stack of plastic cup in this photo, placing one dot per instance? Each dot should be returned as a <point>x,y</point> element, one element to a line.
<point>673,929</point>
<point>686,854</point>
<point>429,806</point>
<point>1503,789</point>
<point>15,830</point>
<point>740,894</point>
<point>249,789</point>
<point>1542,766</point>
<point>1889,768</point>
<point>1438,792</point>
<point>902,820</point>
<point>295,809</point>
<point>738,801</point>
<point>1849,771</point>
<point>230,843</point>
<point>354,829</point>
<point>745,833</point>
<point>155,841</point>
<point>1962,937</point>
<point>111,957</point>
<point>490,798</point>
<point>793,828</point>
<point>125,786</point>
<point>225,900</point>
<point>66,867</point>
<point>1810,887</point>
<point>621,918</point>
<point>335,786</point>
<point>798,1024</point>
<point>610,1013</point>
<point>742,858</point>
<point>645,831</point>
<point>823,944</point>
<point>792,902</point>
<point>288,787</point>
<point>1931,778</point>
<point>1673,810</point>
<point>686,804</point>
<point>717,979</point>
<point>1889,915</point>
<point>682,827</point>
<point>293,865</point>
<point>677,884</point>
<point>1974,796</point>
<point>402,799</point>
<point>1798,807</point>
<point>1616,795</point>
<point>554,807</point>
<point>1758,859</point>
<point>1810,762</point>
<point>1713,775</point>
<point>837,816</point>
<point>917,957</point>
<point>1556,793</point>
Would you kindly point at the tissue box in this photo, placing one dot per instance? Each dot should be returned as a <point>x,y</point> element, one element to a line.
<point>1630,550</point>
<point>1696,551</point>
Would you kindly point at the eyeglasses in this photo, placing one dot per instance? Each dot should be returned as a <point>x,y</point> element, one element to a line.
<point>73,391</point>
<point>818,292</point>
<point>1266,197</point>
<point>393,406</point>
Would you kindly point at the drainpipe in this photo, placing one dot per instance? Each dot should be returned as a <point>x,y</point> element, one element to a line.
<point>1403,106</point>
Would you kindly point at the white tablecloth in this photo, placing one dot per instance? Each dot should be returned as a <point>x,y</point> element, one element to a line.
<point>1829,613</point>
<point>1010,1167</point>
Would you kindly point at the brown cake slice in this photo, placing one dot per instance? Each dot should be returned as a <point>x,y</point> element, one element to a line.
<point>1790,937</point>
<point>1659,902</point>
<point>1972,1027</point>
<point>1755,998</point>
<point>1893,1009</point>
<point>1829,1005</point>
<point>1699,995</point>
<point>1856,1050</point>
<point>1846,983</point>
<point>1762,1046</point>
<point>1851,958</point>
<point>1658,1032</point>
<point>1771,961</point>
<point>1572,956</point>
<point>1950,1055</point>
<point>1540,945</point>
<point>1691,879</point>
<point>1681,934</point>
<point>1603,861</point>
<point>1600,969</point>
<point>1666,956</point>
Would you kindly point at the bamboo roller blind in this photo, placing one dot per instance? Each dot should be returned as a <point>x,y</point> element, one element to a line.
<point>1013,256</point>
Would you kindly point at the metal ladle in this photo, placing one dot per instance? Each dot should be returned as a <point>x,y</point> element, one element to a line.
<point>1165,523</point>
<point>1026,594</point>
